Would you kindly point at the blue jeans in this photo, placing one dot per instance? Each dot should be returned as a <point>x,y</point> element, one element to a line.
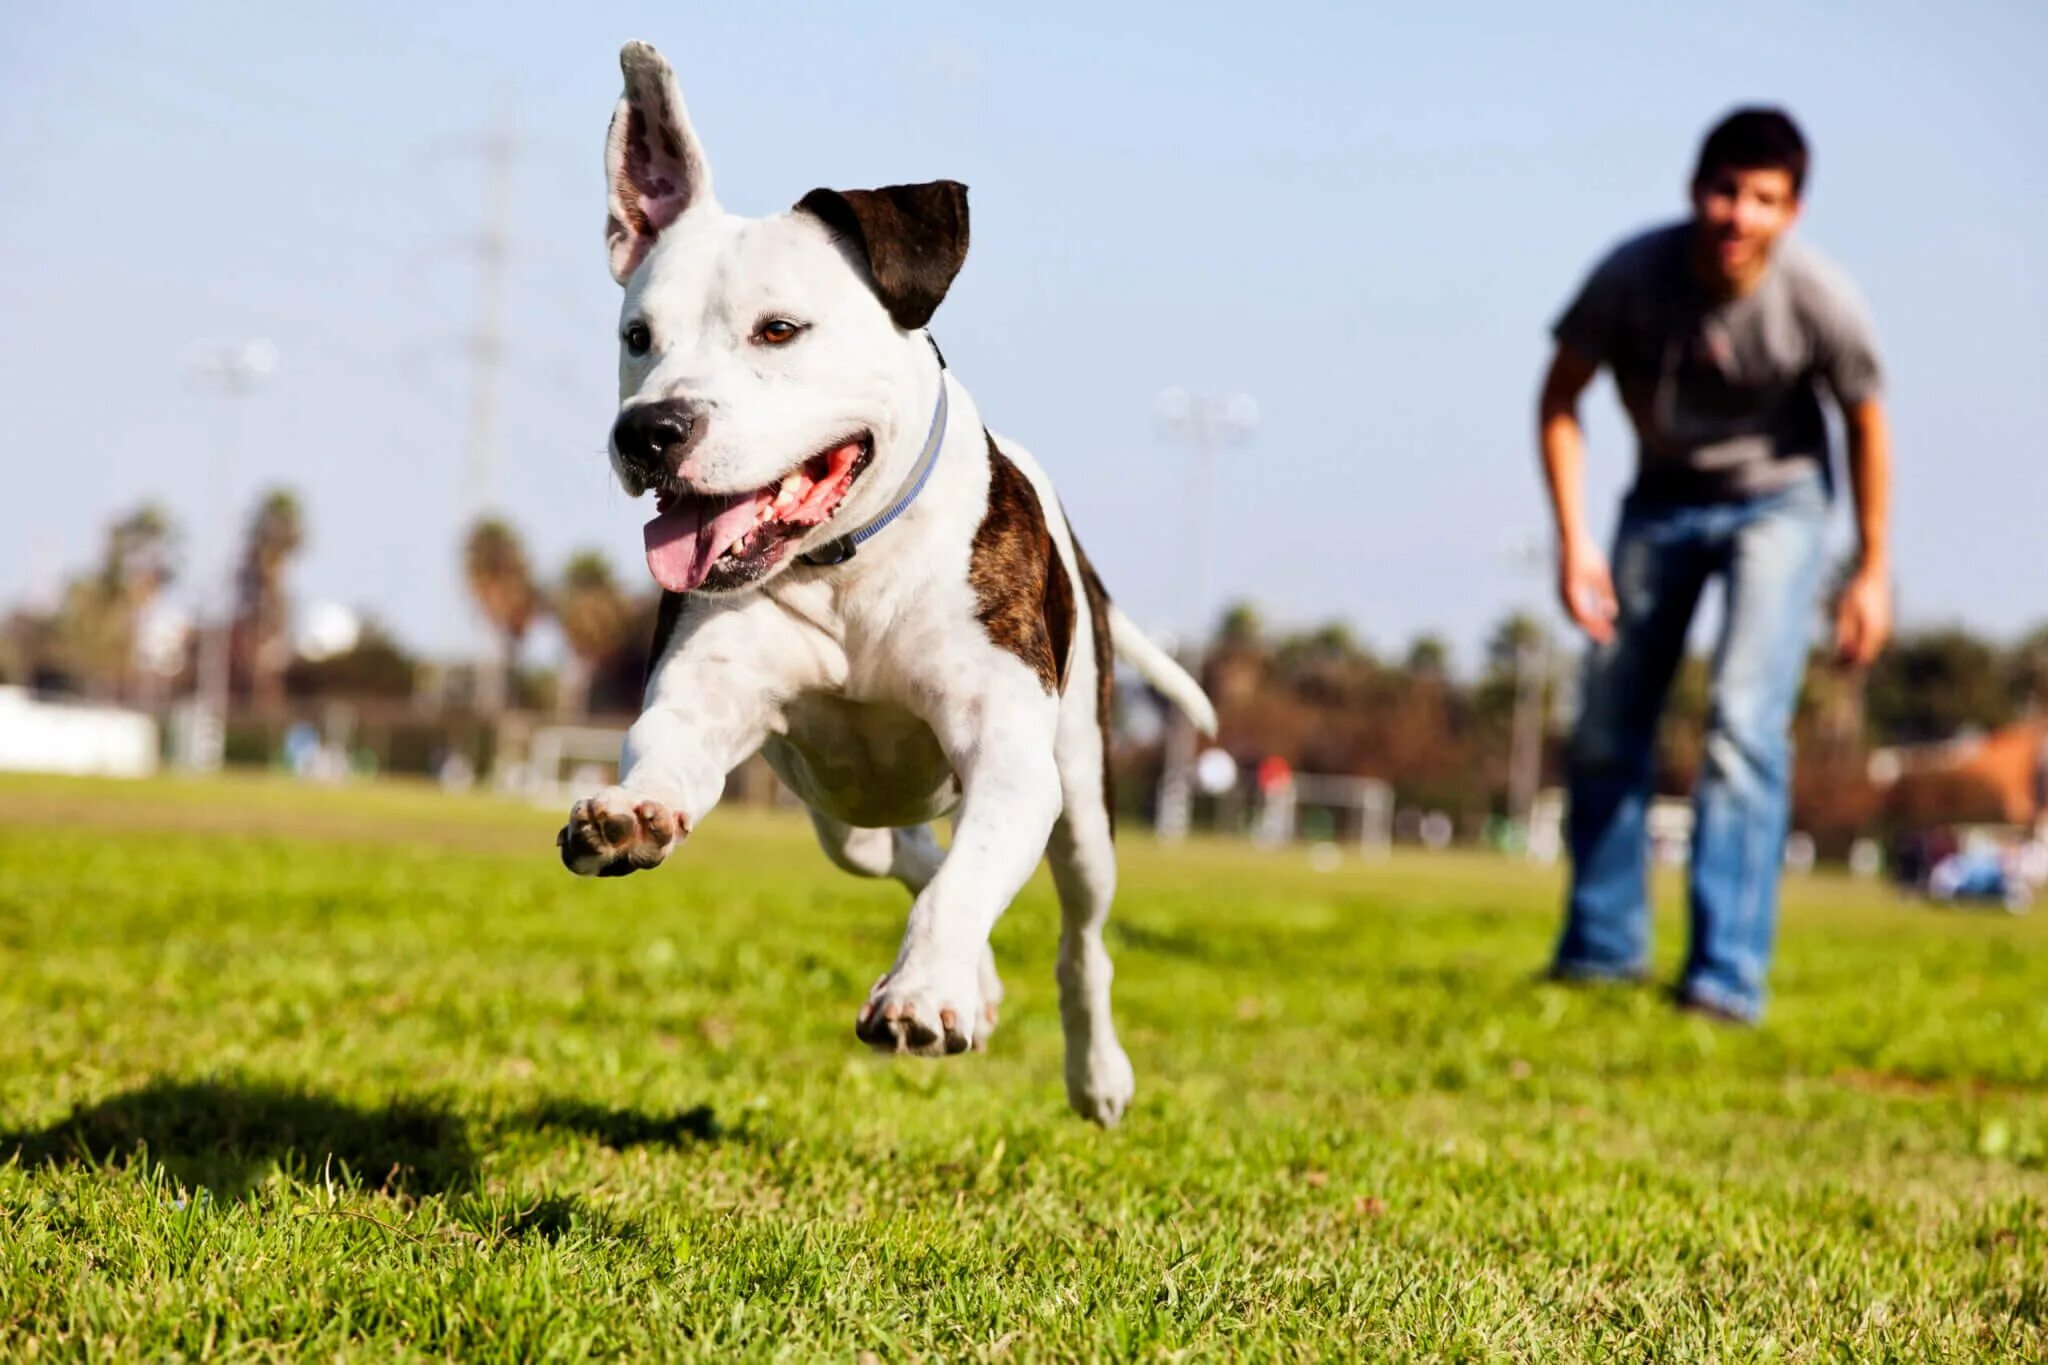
<point>1770,552</point>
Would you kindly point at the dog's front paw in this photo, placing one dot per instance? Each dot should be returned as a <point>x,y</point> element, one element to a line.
<point>614,833</point>
<point>931,1012</point>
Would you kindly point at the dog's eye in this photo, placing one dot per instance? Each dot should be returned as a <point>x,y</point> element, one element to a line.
<point>777,332</point>
<point>637,338</point>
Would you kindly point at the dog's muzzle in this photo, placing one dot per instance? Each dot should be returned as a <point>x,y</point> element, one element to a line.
<point>652,439</point>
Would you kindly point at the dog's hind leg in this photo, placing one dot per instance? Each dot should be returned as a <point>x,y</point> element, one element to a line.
<point>911,856</point>
<point>1083,858</point>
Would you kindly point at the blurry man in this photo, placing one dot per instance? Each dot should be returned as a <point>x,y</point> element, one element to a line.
<point>1722,335</point>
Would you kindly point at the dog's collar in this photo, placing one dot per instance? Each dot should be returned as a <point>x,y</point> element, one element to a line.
<point>840,550</point>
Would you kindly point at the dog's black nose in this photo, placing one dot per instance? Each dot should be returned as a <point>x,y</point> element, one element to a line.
<point>653,438</point>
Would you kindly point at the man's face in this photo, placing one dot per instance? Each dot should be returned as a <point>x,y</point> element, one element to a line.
<point>1740,215</point>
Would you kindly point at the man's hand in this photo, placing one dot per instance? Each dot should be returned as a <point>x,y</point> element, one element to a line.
<point>1583,582</point>
<point>1586,588</point>
<point>1863,618</point>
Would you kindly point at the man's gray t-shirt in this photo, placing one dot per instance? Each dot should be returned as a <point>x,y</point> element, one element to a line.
<point>1724,394</point>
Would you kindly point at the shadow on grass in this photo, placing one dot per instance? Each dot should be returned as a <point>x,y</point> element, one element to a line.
<point>1165,942</point>
<point>623,1128</point>
<point>225,1135</point>
<point>548,1218</point>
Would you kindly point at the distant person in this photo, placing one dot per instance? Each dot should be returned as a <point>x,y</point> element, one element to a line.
<point>1722,335</point>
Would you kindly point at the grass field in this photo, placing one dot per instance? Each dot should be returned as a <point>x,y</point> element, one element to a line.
<point>289,1072</point>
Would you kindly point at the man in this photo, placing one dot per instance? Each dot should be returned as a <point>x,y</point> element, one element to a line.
<point>1721,335</point>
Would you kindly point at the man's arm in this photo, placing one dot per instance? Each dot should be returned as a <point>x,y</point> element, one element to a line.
<point>1584,584</point>
<point>1863,620</point>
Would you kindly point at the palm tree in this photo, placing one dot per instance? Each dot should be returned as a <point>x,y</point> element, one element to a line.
<point>140,548</point>
<point>100,617</point>
<point>276,533</point>
<point>1239,627</point>
<point>1429,658</point>
<point>501,581</point>
<point>592,614</point>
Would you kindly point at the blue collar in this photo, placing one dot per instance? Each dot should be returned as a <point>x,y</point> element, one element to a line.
<point>842,549</point>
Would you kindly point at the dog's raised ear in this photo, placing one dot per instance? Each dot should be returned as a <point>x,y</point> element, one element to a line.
<point>654,169</point>
<point>914,238</point>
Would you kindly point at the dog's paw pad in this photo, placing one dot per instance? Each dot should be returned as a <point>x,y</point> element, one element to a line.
<point>909,1013</point>
<point>612,834</point>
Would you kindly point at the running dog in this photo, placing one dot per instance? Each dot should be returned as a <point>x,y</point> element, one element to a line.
<point>859,581</point>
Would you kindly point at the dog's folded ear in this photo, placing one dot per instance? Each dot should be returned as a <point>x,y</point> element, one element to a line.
<point>654,169</point>
<point>913,237</point>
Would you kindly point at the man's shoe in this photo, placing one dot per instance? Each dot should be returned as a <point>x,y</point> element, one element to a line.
<point>1702,1008</point>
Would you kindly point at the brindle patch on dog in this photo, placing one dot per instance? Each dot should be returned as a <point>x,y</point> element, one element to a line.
<point>1021,591</point>
<point>1105,666</point>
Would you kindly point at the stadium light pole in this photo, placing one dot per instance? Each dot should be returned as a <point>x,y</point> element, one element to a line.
<point>233,372</point>
<point>1203,424</point>
<point>1532,669</point>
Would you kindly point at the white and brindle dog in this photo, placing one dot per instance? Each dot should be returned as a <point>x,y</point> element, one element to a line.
<point>859,581</point>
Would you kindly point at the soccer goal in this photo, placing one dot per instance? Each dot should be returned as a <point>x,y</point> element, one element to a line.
<point>567,761</point>
<point>1327,808</point>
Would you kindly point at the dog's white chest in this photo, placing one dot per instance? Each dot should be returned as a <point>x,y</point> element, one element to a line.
<point>868,764</point>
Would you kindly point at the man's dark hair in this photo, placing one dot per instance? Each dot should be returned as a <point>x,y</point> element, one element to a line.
<point>1754,139</point>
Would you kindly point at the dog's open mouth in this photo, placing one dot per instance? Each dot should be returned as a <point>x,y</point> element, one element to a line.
<point>725,540</point>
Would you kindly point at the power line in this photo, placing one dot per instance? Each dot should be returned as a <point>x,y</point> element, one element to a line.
<point>494,150</point>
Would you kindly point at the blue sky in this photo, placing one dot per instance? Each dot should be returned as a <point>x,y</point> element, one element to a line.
<point>1365,216</point>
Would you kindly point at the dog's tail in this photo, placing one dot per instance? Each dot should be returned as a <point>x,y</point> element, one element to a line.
<point>1159,669</point>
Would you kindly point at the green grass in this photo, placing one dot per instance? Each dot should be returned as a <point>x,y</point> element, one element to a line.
<point>286,1072</point>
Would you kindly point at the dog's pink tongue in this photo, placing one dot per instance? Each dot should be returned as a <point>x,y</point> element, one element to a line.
<point>683,544</point>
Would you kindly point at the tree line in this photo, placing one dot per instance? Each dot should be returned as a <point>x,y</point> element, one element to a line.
<point>1320,697</point>
<point>1328,703</point>
<point>101,636</point>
